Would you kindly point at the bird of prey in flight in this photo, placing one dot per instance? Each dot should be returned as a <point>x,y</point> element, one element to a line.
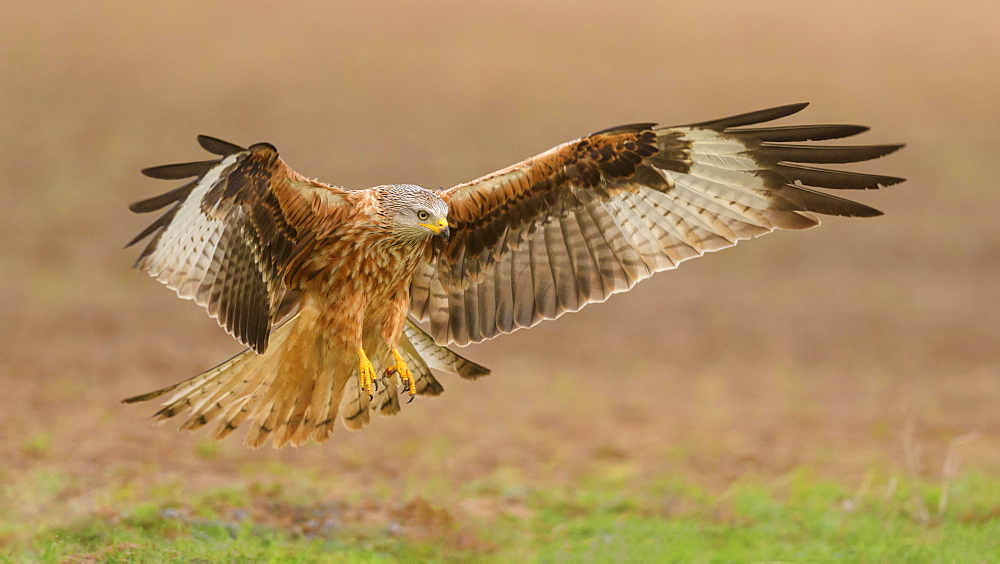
<point>326,286</point>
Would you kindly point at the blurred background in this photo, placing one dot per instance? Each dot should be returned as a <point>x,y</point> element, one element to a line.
<point>858,347</point>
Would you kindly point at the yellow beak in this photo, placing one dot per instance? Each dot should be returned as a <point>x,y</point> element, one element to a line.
<point>439,228</point>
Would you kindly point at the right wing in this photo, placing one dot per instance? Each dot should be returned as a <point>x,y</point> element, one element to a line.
<point>236,234</point>
<point>592,217</point>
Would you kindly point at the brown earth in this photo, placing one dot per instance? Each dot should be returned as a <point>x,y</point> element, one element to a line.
<point>822,349</point>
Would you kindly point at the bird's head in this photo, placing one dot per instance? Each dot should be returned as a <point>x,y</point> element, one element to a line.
<point>415,213</point>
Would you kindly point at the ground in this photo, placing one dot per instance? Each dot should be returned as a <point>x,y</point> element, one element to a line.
<point>808,395</point>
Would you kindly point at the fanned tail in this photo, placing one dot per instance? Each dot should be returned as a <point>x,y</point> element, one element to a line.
<point>295,391</point>
<point>279,392</point>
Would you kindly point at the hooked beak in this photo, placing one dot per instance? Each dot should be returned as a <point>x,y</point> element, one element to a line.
<point>439,228</point>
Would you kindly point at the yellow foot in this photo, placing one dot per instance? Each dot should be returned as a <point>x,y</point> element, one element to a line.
<point>405,374</point>
<point>366,372</point>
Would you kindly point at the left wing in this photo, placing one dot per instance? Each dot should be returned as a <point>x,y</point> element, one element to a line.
<point>592,217</point>
<point>236,233</point>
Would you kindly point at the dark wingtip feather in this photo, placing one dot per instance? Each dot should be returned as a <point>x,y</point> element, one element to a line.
<point>799,198</point>
<point>141,206</point>
<point>162,200</point>
<point>751,118</point>
<point>161,221</point>
<point>824,153</point>
<point>178,171</point>
<point>218,146</point>
<point>860,210</point>
<point>835,179</point>
<point>786,133</point>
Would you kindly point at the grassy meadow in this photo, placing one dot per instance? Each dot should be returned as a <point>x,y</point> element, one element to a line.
<point>823,395</point>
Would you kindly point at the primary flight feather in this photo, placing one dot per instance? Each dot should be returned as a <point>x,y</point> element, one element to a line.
<point>324,284</point>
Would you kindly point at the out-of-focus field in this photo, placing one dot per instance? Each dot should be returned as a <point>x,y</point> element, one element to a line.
<point>850,372</point>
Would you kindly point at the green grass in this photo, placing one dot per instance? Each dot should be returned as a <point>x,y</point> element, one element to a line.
<point>152,537</point>
<point>604,519</point>
<point>810,521</point>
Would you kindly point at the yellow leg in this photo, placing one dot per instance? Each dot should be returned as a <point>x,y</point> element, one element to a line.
<point>366,372</point>
<point>405,374</point>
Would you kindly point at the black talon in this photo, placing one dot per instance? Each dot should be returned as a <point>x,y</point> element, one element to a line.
<point>411,399</point>
<point>375,383</point>
<point>370,397</point>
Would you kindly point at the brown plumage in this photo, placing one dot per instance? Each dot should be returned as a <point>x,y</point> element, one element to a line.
<point>316,279</point>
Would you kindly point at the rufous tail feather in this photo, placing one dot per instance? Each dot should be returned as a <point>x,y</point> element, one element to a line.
<point>289,394</point>
<point>296,390</point>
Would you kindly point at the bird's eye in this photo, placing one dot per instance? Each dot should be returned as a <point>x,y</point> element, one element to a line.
<point>423,215</point>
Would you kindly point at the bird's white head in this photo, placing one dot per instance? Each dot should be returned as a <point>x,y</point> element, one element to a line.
<point>415,213</point>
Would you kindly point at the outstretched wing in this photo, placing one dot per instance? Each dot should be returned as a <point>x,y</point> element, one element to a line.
<point>592,217</point>
<point>236,233</point>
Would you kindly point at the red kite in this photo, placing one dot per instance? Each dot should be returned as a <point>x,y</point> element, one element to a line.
<point>324,284</point>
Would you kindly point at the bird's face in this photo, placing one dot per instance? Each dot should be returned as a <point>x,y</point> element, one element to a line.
<point>435,221</point>
<point>417,213</point>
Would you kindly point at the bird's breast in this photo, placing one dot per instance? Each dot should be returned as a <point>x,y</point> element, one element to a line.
<point>378,270</point>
